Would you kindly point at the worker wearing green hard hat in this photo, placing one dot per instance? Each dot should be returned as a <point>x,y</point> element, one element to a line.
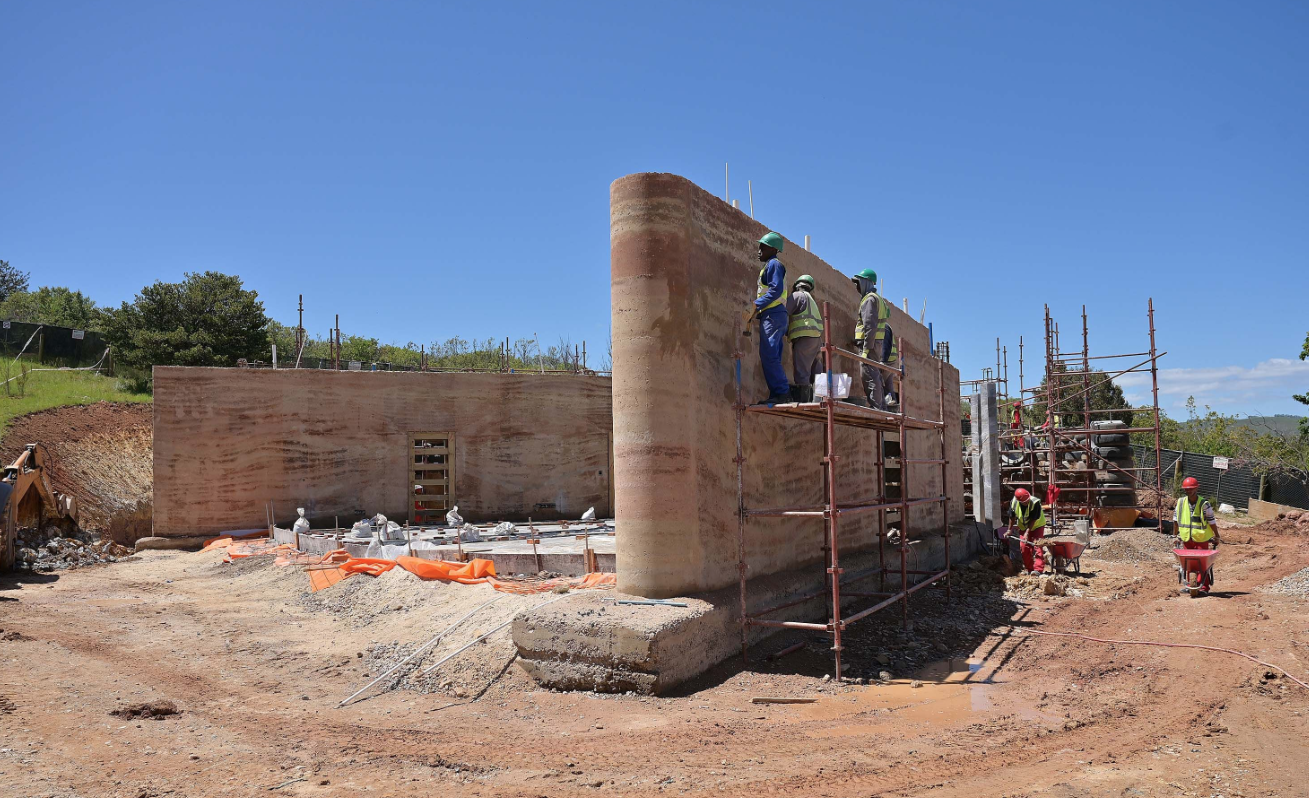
<point>805,329</point>
<point>770,308</point>
<point>874,339</point>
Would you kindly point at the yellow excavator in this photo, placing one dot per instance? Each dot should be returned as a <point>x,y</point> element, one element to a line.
<point>28,500</point>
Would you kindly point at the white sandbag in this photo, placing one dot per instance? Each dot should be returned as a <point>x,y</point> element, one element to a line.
<point>301,524</point>
<point>840,383</point>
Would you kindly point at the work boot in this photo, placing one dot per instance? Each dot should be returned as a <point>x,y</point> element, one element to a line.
<point>797,393</point>
<point>776,399</point>
<point>858,401</point>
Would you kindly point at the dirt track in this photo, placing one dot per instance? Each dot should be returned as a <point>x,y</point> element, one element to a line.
<point>257,677</point>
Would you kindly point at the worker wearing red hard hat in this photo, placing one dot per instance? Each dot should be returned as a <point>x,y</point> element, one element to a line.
<point>1028,517</point>
<point>1194,516</point>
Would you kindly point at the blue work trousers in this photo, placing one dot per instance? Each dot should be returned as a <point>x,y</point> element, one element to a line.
<point>772,333</point>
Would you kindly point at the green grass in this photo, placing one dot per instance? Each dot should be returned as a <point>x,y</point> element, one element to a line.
<point>47,389</point>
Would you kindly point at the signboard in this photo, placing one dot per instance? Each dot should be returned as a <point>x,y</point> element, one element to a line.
<point>1220,463</point>
<point>355,365</point>
<point>79,335</point>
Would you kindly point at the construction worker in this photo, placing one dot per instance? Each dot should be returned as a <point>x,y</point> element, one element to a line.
<point>770,308</point>
<point>874,339</point>
<point>1196,527</point>
<point>805,329</point>
<point>1028,517</point>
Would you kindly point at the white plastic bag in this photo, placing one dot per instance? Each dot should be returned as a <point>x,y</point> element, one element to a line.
<point>840,382</point>
<point>470,534</point>
<point>301,525</point>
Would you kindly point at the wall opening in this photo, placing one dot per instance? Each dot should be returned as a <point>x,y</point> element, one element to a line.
<point>431,472</point>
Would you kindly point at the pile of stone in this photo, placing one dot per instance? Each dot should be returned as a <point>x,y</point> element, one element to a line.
<point>55,549</point>
<point>1297,584</point>
<point>1037,585</point>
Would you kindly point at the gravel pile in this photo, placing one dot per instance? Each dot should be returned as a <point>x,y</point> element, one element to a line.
<point>1297,584</point>
<point>1133,545</point>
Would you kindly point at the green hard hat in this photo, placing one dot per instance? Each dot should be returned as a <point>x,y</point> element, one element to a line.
<point>805,278</point>
<point>773,240</point>
<point>867,274</point>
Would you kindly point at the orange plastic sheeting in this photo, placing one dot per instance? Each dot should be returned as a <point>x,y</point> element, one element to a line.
<point>295,557</point>
<point>320,578</point>
<point>468,573</point>
<point>1114,517</point>
<point>595,581</point>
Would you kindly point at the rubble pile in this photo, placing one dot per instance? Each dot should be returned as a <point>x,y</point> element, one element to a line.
<point>1036,585</point>
<point>54,549</point>
<point>1292,523</point>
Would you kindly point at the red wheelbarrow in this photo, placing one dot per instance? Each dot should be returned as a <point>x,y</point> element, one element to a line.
<point>1066,552</point>
<point>1191,564</point>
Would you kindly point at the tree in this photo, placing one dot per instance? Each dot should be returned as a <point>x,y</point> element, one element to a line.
<point>12,280</point>
<point>357,347</point>
<point>1303,398</point>
<point>206,320</point>
<point>1104,394</point>
<point>59,307</point>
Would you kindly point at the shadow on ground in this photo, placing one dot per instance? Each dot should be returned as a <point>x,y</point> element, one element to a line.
<point>880,644</point>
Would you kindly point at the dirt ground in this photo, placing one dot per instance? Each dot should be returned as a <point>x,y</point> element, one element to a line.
<point>241,672</point>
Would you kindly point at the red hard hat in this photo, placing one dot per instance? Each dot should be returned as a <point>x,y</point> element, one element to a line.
<point>1022,495</point>
<point>1190,482</point>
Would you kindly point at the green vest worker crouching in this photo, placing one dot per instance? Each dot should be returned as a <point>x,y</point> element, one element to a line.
<point>805,329</point>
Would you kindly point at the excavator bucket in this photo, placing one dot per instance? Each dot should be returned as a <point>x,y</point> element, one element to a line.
<point>31,500</point>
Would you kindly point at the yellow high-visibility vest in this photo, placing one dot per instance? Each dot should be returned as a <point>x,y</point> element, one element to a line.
<point>763,289</point>
<point>883,313</point>
<point>1191,524</point>
<point>808,323</point>
<point>1027,520</point>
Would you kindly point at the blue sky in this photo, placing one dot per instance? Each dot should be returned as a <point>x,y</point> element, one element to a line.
<point>428,170</point>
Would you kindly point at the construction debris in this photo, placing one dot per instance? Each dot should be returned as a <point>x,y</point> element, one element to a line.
<point>53,549</point>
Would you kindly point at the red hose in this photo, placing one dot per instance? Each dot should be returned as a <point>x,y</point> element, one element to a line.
<point>1170,645</point>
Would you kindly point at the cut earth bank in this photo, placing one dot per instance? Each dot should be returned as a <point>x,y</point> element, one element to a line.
<point>255,667</point>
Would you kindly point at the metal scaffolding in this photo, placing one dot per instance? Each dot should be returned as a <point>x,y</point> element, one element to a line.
<point>832,414</point>
<point>1075,433</point>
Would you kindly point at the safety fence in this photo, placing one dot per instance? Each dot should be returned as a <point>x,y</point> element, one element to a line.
<point>1236,484</point>
<point>51,346</point>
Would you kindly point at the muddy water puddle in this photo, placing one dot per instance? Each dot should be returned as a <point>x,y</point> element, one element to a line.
<point>944,694</point>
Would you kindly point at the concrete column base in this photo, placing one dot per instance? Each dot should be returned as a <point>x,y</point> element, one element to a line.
<point>590,643</point>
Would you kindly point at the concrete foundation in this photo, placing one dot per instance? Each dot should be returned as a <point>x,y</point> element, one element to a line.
<point>590,643</point>
<point>227,442</point>
<point>562,554</point>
